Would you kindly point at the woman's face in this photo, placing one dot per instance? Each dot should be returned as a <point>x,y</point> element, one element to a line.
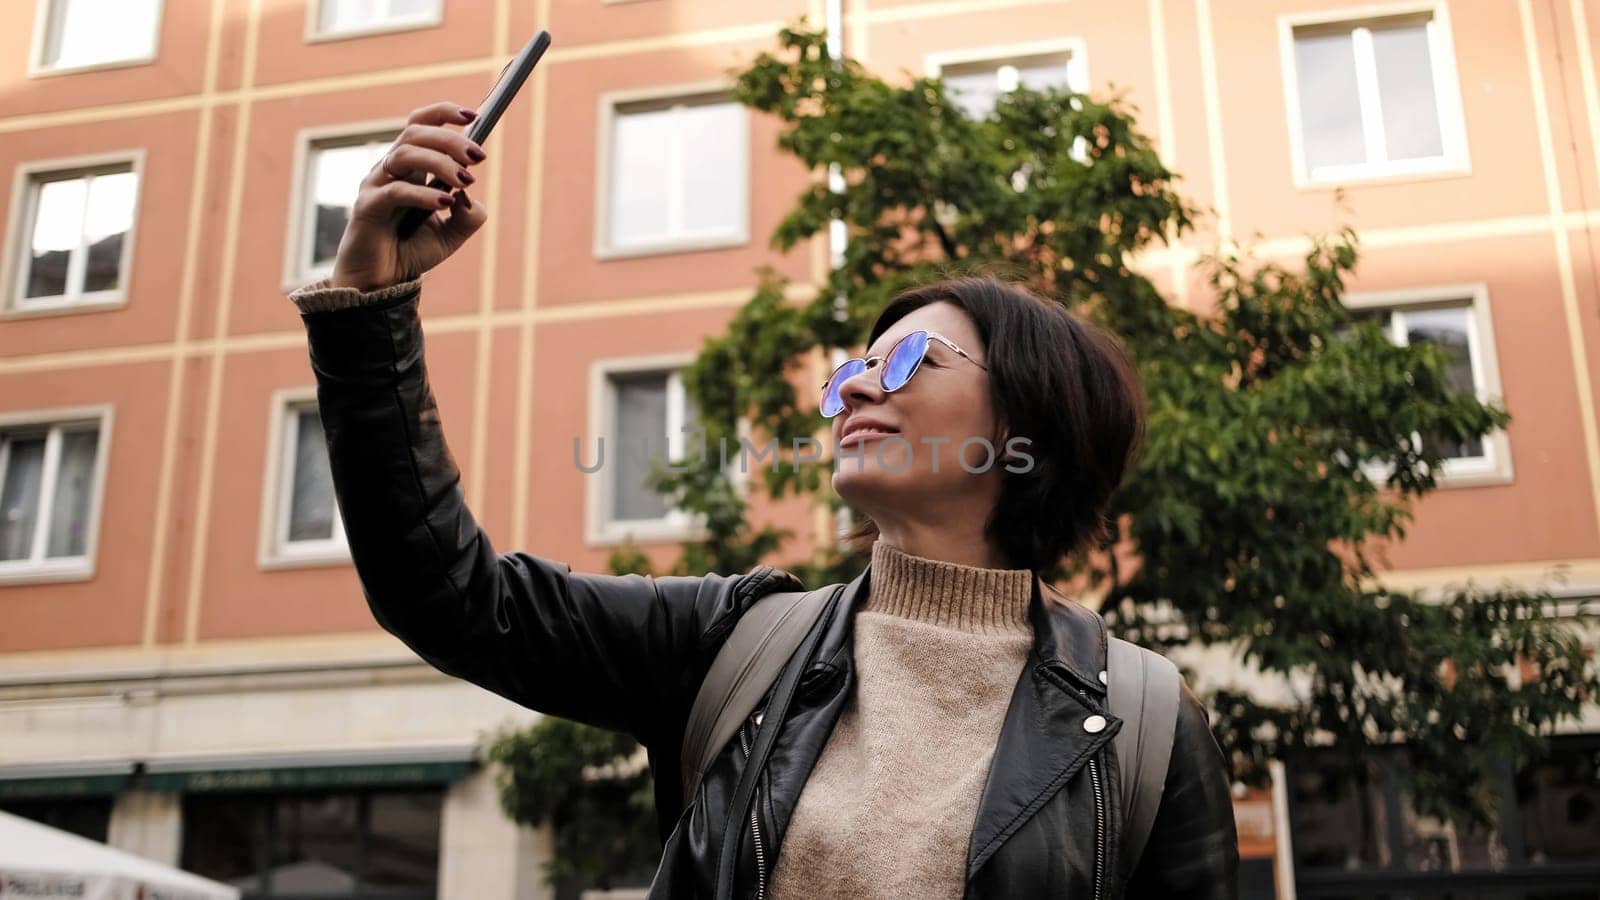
<point>899,454</point>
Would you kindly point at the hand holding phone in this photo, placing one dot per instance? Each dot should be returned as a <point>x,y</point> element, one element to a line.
<point>489,112</point>
<point>384,241</point>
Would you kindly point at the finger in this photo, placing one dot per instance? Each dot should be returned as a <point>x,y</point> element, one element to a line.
<point>409,162</point>
<point>388,169</point>
<point>378,204</point>
<point>466,217</point>
<point>454,144</point>
<point>441,113</point>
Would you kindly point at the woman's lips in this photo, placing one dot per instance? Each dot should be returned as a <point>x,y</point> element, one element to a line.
<point>864,434</point>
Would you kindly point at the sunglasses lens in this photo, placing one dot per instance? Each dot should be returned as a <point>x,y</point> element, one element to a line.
<point>903,360</point>
<point>832,405</point>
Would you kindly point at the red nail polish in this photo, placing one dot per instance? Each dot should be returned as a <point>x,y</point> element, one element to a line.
<point>476,155</point>
<point>446,200</point>
<point>468,115</point>
<point>465,176</point>
<point>466,202</point>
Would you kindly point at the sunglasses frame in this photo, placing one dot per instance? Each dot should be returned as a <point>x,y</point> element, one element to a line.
<point>877,361</point>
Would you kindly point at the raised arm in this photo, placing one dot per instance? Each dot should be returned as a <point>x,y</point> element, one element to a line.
<point>625,653</point>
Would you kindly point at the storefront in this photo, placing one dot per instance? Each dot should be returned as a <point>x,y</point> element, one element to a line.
<point>352,824</point>
<point>1369,844</point>
<point>311,777</point>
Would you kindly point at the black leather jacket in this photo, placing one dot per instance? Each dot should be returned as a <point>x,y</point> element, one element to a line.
<point>628,653</point>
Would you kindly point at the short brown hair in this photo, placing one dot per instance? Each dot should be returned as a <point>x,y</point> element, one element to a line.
<point>1066,384</point>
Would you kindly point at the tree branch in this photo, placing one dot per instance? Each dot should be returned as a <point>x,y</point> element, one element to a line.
<point>948,245</point>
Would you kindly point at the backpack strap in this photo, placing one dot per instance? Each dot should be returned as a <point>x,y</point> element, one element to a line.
<point>746,667</point>
<point>1143,690</point>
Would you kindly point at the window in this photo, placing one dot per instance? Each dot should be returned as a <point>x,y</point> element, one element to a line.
<point>76,34</point>
<point>1458,322</point>
<point>1374,97</point>
<point>677,177</point>
<point>1366,840</point>
<point>975,80</point>
<point>75,242</point>
<point>333,172</point>
<point>88,817</point>
<point>344,18</point>
<point>649,411</point>
<point>355,844</point>
<point>305,522</point>
<point>975,84</point>
<point>50,483</point>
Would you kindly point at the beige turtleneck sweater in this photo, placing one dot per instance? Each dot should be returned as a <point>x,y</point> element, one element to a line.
<point>888,809</point>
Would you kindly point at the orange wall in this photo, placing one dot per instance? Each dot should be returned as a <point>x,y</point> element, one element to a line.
<point>529,296</point>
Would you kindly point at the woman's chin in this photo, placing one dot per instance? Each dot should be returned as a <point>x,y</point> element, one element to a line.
<point>858,486</point>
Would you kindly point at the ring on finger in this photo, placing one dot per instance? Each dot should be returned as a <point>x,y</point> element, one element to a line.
<point>387,159</point>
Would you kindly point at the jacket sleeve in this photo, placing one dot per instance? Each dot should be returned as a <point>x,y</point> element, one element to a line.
<point>1193,850</point>
<point>625,653</point>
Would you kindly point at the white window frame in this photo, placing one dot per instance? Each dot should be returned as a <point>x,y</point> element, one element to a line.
<point>314,33</point>
<point>297,267</point>
<point>24,207</point>
<point>1077,58</point>
<point>39,568</point>
<point>1455,161</point>
<point>276,551</point>
<point>46,10</point>
<point>1494,466</point>
<point>612,106</point>
<point>600,529</point>
<point>1077,80</point>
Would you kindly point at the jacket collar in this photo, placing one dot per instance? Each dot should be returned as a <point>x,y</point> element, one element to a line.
<point>1046,736</point>
<point>1068,637</point>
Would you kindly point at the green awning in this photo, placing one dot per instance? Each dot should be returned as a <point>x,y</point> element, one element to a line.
<point>280,778</point>
<point>62,786</point>
<point>384,767</point>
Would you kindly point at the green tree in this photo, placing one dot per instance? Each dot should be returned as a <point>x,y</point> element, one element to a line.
<point>593,790</point>
<point>1253,513</point>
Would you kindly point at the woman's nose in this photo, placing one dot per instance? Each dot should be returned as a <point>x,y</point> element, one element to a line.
<point>862,387</point>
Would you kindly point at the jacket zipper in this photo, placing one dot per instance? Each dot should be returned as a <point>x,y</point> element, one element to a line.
<point>1099,828</point>
<point>755,822</point>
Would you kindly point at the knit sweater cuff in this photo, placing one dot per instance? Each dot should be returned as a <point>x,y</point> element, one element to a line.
<point>949,595</point>
<point>322,296</point>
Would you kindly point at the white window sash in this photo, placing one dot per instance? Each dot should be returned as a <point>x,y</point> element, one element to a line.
<point>1368,96</point>
<point>1483,463</point>
<point>55,31</point>
<point>77,257</point>
<point>1452,137</point>
<point>677,420</point>
<point>310,270</point>
<point>676,448</point>
<point>49,476</point>
<point>5,464</point>
<point>336,543</point>
<point>383,15</point>
<point>47,494</point>
<point>1446,99</point>
<point>678,160</point>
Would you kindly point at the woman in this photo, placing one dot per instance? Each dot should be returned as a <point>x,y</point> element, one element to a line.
<point>949,736</point>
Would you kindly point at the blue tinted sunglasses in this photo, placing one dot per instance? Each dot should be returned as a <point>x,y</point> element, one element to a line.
<point>902,362</point>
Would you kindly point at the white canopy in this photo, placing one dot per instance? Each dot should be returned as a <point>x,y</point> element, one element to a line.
<point>39,861</point>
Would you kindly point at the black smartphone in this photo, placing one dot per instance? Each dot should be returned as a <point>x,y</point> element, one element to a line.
<point>489,112</point>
